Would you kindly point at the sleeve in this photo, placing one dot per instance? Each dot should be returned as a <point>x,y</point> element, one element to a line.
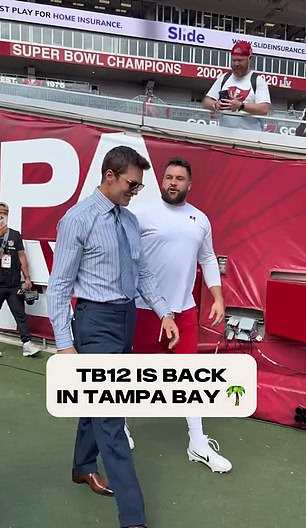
<point>19,243</point>
<point>207,259</point>
<point>213,92</point>
<point>262,94</point>
<point>67,257</point>
<point>149,290</point>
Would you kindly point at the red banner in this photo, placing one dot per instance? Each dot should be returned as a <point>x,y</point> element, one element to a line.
<point>141,64</point>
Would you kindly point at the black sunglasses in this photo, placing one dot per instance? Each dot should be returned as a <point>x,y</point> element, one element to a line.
<point>134,185</point>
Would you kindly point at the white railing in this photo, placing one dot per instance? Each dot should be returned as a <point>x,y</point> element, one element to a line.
<point>162,118</point>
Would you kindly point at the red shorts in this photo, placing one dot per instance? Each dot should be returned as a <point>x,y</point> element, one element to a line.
<point>148,329</point>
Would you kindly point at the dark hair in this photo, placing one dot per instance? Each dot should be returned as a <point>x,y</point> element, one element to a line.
<point>180,162</point>
<point>4,206</point>
<point>119,158</point>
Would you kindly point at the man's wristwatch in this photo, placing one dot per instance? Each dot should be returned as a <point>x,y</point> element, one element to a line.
<point>169,314</point>
<point>241,107</point>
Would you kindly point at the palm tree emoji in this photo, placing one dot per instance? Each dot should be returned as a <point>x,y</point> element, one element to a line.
<point>238,390</point>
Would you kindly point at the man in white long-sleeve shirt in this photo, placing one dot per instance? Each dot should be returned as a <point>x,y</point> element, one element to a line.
<point>175,237</point>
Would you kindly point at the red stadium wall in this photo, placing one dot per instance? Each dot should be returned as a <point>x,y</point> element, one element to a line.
<point>256,204</point>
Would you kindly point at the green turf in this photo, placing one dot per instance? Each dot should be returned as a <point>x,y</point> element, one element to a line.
<point>266,488</point>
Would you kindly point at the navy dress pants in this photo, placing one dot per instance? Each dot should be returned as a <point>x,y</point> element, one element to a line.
<point>107,328</point>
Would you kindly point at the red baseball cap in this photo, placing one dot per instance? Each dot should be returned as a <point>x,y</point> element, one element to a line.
<point>242,48</point>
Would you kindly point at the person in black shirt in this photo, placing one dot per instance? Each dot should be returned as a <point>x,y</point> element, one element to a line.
<point>301,129</point>
<point>12,261</point>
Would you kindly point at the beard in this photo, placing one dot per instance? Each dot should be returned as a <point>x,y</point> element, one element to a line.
<point>174,200</point>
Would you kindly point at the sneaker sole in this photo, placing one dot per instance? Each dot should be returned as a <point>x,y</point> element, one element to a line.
<point>30,354</point>
<point>194,458</point>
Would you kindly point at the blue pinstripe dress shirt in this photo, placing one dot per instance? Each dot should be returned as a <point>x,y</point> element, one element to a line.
<point>86,263</point>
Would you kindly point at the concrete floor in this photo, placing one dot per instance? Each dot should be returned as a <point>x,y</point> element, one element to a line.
<point>266,488</point>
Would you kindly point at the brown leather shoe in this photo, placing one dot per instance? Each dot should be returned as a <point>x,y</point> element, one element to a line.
<point>97,483</point>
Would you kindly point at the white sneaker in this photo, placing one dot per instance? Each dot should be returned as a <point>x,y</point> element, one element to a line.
<point>206,452</point>
<point>29,349</point>
<point>128,434</point>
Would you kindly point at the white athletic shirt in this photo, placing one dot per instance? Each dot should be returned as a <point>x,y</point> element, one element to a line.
<point>241,88</point>
<point>175,238</point>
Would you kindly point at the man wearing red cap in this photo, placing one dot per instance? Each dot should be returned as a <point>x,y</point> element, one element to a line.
<point>241,90</point>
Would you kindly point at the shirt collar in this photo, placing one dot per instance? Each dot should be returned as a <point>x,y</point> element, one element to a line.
<point>103,203</point>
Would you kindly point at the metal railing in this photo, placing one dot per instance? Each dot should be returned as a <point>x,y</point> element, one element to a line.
<point>276,124</point>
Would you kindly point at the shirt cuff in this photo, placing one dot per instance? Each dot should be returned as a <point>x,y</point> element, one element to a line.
<point>63,341</point>
<point>161,308</point>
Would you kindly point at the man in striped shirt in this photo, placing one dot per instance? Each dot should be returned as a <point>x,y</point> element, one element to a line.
<point>99,259</point>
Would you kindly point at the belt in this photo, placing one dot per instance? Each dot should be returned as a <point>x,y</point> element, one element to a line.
<point>109,304</point>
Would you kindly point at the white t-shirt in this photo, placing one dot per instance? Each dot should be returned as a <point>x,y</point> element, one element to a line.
<point>175,238</point>
<point>241,88</point>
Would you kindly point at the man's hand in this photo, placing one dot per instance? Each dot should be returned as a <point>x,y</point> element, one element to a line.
<point>70,350</point>
<point>171,330</point>
<point>229,105</point>
<point>28,283</point>
<point>217,311</point>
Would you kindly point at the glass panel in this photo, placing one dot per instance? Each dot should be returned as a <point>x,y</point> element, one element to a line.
<point>160,14</point>
<point>198,56</point>
<point>186,53</point>
<point>115,45</point>
<point>37,34</point>
<point>281,32</point>
<point>242,25</point>
<point>15,31</point>
<point>58,37</point>
<point>124,46</point>
<point>133,46</point>
<point>150,48</point>
<point>236,25</point>
<point>228,24</point>
<point>161,50</point>
<point>199,19</point>
<point>207,56</point>
<point>215,22</point>
<point>25,33</point>
<point>142,48</point>
<point>268,66</point>
<point>67,38</point>
<point>97,41</point>
<point>259,64</point>
<point>177,52</point>
<point>290,65</point>
<point>192,17</point>
<point>5,30</point>
<point>77,37</point>
<point>88,41</point>
<point>300,69</point>
<point>207,20</point>
<point>47,35</point>
<point>222,58</point>
<point>175,15</point>
<point>169,51</point>
<point>283,66</point>
<point>275,66</point>
<point>167,14</point>
<point>184,17</point>
<point>215,57</point>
